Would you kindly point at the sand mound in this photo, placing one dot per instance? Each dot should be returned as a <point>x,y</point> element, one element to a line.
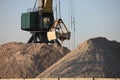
<point>19,60</point>
<point>96,57</point>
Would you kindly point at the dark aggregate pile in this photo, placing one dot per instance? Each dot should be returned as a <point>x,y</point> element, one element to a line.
<point>96,57</point>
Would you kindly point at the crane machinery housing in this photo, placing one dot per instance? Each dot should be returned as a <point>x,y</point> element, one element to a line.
<point>43,26</point>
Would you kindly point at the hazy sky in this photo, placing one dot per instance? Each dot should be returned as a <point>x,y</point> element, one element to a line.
<point>94,18</point>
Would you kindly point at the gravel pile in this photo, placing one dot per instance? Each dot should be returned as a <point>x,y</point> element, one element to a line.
<point>96,57</point>
<point>20,60</point>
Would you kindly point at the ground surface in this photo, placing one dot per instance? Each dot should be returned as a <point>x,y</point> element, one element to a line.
<point>20,60</point>
<point>96,57</point>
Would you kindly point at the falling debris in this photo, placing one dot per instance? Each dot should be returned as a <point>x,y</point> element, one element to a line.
<point>97,57</point>
<point>19,60</point>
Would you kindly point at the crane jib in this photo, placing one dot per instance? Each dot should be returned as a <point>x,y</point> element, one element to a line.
<point>45,6</point>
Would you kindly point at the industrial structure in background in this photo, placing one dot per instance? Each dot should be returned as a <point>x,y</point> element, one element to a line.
<point>42,25</point>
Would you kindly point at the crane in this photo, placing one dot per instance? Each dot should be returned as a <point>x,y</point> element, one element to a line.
<point>43,26</point>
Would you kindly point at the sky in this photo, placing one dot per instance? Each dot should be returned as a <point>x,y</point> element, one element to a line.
<point>93,18</point>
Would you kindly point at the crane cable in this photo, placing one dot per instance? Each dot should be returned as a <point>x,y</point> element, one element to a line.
<point>59,9</point>
<point>72,21</point>
<point>69,20</point>
<point>35,5</point>
<point>56,10</point>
